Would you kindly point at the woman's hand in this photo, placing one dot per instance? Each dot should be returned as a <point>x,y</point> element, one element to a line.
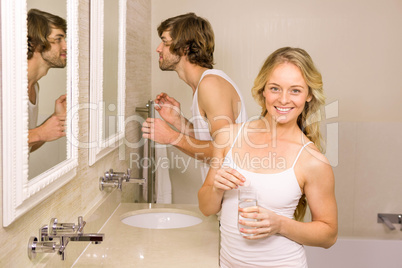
<point>227,178</point>
<point>267,222</point>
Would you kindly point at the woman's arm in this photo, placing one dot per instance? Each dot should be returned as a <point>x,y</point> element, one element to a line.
<point>219,178</point>
<point>320,192</point>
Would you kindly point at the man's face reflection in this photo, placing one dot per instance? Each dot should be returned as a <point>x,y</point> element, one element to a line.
<point>56,56</point>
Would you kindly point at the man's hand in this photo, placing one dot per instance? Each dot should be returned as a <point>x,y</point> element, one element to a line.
<point>168,108</point>
<point>60,106</point>
<point>52,129</point>
<point>159,131</point>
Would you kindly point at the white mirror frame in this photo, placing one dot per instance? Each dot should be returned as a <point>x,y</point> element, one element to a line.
<point>99,147</point>
<point>20,194</point>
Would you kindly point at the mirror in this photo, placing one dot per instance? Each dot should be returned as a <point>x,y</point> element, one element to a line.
<point>52,86</point>
<point>20,194</point>
<point>107,77</point>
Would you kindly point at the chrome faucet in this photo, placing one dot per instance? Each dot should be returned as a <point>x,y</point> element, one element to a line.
<point>400,221</point>
<point>55,237</point>
<point>116,179</point>
<point>389,220</point>
<point>78,237</point>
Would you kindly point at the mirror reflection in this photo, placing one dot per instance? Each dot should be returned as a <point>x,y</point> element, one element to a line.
<point>21,194</point>
<point>107,77</point>
<point>110,67</point>
<point>47,75</point>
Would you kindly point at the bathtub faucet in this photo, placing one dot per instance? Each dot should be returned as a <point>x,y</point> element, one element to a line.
<point>389,220</point>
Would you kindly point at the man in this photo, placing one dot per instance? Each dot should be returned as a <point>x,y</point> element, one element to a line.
<point>187,47</point>
<point>46,49</point>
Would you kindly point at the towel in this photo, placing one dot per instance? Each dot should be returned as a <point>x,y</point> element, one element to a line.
<point>163,186</point>
<point>163,183</point>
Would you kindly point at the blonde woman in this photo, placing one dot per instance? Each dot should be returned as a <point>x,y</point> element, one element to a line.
<point>280,156</point>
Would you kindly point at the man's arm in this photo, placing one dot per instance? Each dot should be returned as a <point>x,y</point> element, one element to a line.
<point>215,99</point>
<point>159,131</point>
<point>215,102</point>
<point>52,129</point>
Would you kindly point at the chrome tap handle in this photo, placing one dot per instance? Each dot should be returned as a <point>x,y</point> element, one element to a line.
<point>106,183</point>
<point>56,229</point>
<point>110,175</point>
<point>81,224</point>
<point>40,247</point>
<point>128,174</point>
<point>52,227</point>
<point>386,221</point>
<point>44,233</point>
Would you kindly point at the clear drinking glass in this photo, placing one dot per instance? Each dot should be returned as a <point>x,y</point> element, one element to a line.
<point>247,198</point>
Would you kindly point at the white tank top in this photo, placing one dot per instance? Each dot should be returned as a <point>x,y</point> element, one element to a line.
<point>200,123</point>
<point>33,110</point>
<point>279,192</point>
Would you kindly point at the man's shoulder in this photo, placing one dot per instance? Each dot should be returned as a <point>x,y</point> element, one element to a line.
<point>212,79</point>
<point>216,83</point>
<point>216,72</point>
<point>214,88</point>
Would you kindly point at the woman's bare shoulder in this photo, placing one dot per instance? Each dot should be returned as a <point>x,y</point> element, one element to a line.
<point>314,164</point>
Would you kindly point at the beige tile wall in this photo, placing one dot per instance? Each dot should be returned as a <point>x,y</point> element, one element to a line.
<point>367,178</point>
<point>80,195</point>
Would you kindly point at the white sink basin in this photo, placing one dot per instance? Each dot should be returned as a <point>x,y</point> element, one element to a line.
<point>161,218</point>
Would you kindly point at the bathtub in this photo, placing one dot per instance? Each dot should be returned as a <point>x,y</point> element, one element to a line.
<point>357,253</point>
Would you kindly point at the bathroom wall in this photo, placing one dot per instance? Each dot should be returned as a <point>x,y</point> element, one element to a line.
<point>356,46</point>
<point>81,194</point>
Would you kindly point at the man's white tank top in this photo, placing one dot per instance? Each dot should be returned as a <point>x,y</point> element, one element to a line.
<point>33,110</point>
<point>279,192</point>
<point>200,123</point>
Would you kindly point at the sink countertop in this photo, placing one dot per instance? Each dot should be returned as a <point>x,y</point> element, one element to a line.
<point>127,246</point>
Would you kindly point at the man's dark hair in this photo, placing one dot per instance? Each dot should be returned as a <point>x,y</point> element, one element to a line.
<point>191,36</point>
<point>40,25</point>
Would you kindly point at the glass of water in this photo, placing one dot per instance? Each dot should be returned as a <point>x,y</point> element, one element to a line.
<point>247,198</point>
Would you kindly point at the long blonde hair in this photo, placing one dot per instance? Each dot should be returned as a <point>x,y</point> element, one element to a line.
<point>309,119</point>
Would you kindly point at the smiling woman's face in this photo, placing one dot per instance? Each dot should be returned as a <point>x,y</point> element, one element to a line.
<point>286,93</point>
